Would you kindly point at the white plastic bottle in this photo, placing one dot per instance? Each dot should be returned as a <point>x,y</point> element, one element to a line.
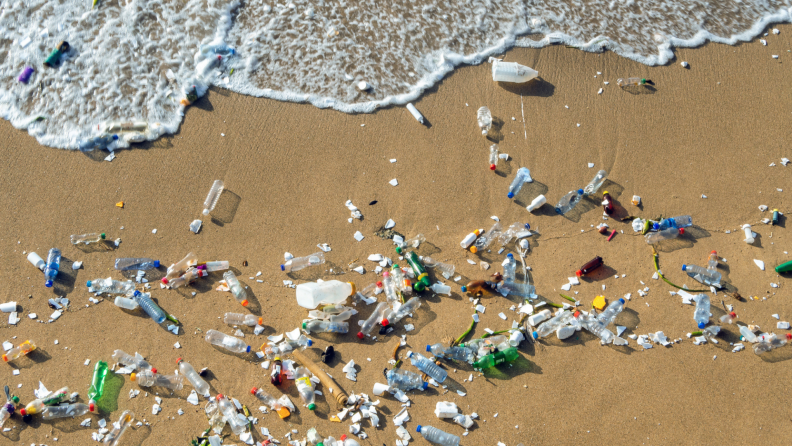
<point>311,294</point>
<point>198,383</point>
<point>251,320</point>
<point>511,72</point>
<point>436,436</point>
<point>536,203</point>
<point>214,194</point>
<point>484,119</point>
<point>36,260</point>
<point>299,263</point>
<point>702,312</point>
<point>228,342</point>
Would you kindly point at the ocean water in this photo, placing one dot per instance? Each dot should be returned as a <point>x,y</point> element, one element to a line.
<point>136,61</point>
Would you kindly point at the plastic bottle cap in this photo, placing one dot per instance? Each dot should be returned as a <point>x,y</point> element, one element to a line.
<point>219,395</point>
<point>343,437</point>
<point>283,267</point>
<point>253,391</point>
<point>385,274</point>
<point>527,226</point>
<point>580,191</point>
<point>178,360</point>
<point>655,226</point>
<point>248,349</point>
<point>153,370</point>
<point>510,195</point>
<point>492,167</point>
<point>360,335</point>
<point>379,284</point>
<point>733,314</point>
<point>310,343</point>
<point>684,267</point>
<point>5,358</point>
<point>702,325</point>
<point>244,303</point>
<point>535,335</point>
<point>579,273</point>
<point>789,335</point>
<point>88,283</point>
<point>311,406</point>
<point>425,385</point>
<point>395,266</point>
<point>102,236</point>
<point>261,321</point>
<point>682,231</point>
<point>473,249</point>
<point>165,280</point>
<point>48,284</point>
<point>304,325</point>
<point>418,429</point>
<point>132,377</point>
<point>23,412</point>
<point>15,398</point>
<point>714,252</point>
<point>464,289</point>
<point>384,322</point>
<point>156,264</point>
<point>622,301</point>
<point>510,255</point>
<point>429,348</point>
<point>91,406</point>
<point>605,193</point>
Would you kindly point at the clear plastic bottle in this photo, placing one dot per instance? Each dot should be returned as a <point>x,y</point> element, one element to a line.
<point>38,405</point>
<point>523,176</point>
<point>218,265</point>
<point>712,263</point>
<point>704,275</point>
<point>178,268</point>
<point>683,221</point>
<point>515,230</point>
<point>302,379</point>
<point>407,308</point>
<point>211,198</point>
<point>129,264</point>
<point>425,365</point>
<point>111,286</point>
<point>317,326</point>
<point>375,317</point>
<point>87,238</point>
<point>251,320</point>
<point>606,317</point>
<point>310,295</point>
<point>236,288</point>
<point>493,359</point>
<point>401,284</point>
<point>299,263</point>
<point>228,409</point>
<point>65,410</point>
<point>228,342</point>
<point>486,238</point>
<point>405,380</point>
<point>53,265</point>
<point>569,201</point>
<point>134,362</point>
<point>493,157</point>
<point>387,286</point>
<point>9,407</point>
<point>198,383</point>
<point>596,328</point>
<point>747,334</point>
<point>217,48</point>
<point>147,378</point>
<point>270,401</point>
<point>19,351</point>
<point>552,324</point>
<point>768,343</point>
<point>148,305</point>
<point>595,183</point>
<point>484,119</point>
<point>191,275</point>
<point>484,346</point>
<point>413,242</point>
<point>96,142</point>
<point>436,436</point>
<point>454,353</point>
<point>124,421</point>
<point>302,341</point>
<point>509,268</point>
<point>446,269</point>
<point>702,312</point>
<point>666,234</point>
<point>630,82</point>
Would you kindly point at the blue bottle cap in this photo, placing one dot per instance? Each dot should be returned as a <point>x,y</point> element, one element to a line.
<point>248,349</point>
<point>425,385</point>
<point>136,293</point>
<point>655,226</point>
<point>418,429</point>
<point>580,191</point>
<point>535,335</point>
<point>48,284</point>
<point>88,283</point>
<point>464,289</point>
<point>510,195</point>
<point>156,264</point>
<point>283,267</point>
<point>702,325</point>
<point>510,255</point>
<point>684,267</point>
<point>527,226</point>
<point>622,301</point>
<point>429,348</point>
<point>115,137</point>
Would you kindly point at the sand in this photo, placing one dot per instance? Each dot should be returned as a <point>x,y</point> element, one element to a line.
<point>712,129</point>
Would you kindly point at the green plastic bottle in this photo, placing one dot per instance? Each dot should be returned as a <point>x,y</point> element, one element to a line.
<point>784,267</point>
<point>422,279</point>
<point>97,385</point>
<point>493,359</point>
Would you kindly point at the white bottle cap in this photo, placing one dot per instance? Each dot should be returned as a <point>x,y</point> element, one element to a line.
<point>8,307</point>
<point>36,260</point>
<point>380,388</point>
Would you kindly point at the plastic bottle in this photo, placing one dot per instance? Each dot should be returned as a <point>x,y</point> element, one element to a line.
<point>36,260</point>
<point>53,265</point>
<point>454,353</point>
<point>683,221</point>
<point>400,282</point>
<point>148,305</point>
<point>596,328</point>
<point>590,266</point>
<point>9,407</point>
<point>493,157</point>
<point>470,238</point>
<point>511,72</point>
<point>211,198</point>
<point>96,142</point>
<point>178,268</point>
<point>299,263</point>
<point>712,263</point>
<point>747,334</point>
<point>189,276</point>
<point>228,409</point>
<point>111,286</point>
<point>124,421</point>
<point>218,48</point>
<point>270,401</point>
<point>243,319</point>
<point>484,119</point>
<point>87,238</point>
<point>19,351</point>
<point>446,269</point>
<point>569,201</point>
<point>523,176</point>
<point>317,326</point>
<point>230,343</point>
<point>702,313</point>
<point>704,275</point>
<point>595,183</point>
<point>486,238</point>
<point>607,203</point>
<point>425,365</point>
<point>302,379</point>
<point>436,436</point>
<point>375,317</point>
<point>666,234</point>
<point>302,341</point>
<point>768,343</point>
<point>485,346</point>
<point>198,383</point>
<point>421,277</point>
<point>493,359</point>
<point>129,264</point>
<point>606,317</point>
<point>311,294</point>
<point>65,410</point>
<point>237,291</point>
<point>218,265</point>
<point>96,390</point>
<point>413,243</point>
<point>387,286</point>
<point>552,324</point>
<point>509,269</point>
<point>630,82</point>
<point>276,374</point>
<point>405,380</point>
<point>147,378</point>
<point>134,362</point>
<point>38,405</point>
<point>536,203</point>
<point>407,308</point>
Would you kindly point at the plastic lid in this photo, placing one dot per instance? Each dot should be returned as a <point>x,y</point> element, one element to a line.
<point>354,288</point>
<point>88,283</point>
<point>115,137</point>
<point>248,349</point>
<point>343,437</point>
<point>535,335</point>
<point>384,322</point>
<point>283,267</point>
<point>5,358</point>
<point>178,360</point>
<point>165,280</point>
<point>464,289</point>
<point>622,301</point>
<point>15,399</point>
<point>360,335</point>
<point>579,273</point>
<point>102,236</point>
<point>425,385</point>
<point>418,429</point>
<point>702,325</point>
<point>473,249</point>
<point>219,395</point>
<point>605,193</point>
<point>429,348</point>
<point>253,391</point>
<point>580,191</point>
<point>510,195</point>
<point>655,226</point>
<point>261,321</point>
<point>91,406</point>
<point>714,252</point>
<point>788,336</point>
<point>153,370</point>
<point>527,226</point>
<point>510,255</point>
<point>385,274</point>
<point>244,303</point>
<point>156,264</point>
<point>48,284</point>
<point>681,231</point>
<point>395,265</point>
<point>22,412</point>
<point>304,325</point>
<point>310,343</point>
<point>733,314</point>
<point>492,167</point>
<point>379,284</point>
<point>311,406</point>
<point>132,377</point>
<point>684,267</point>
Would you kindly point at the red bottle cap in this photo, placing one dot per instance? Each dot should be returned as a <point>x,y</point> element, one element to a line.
<point>714,252</point>
<point>579,273</point>
<point>733,314</point>
<point>379,284</point>
<point>178,360</point>
<point>253,391</point>
<point>681,231</point>
<point>343,437</point>
<point>91,407</point>
<point>22,412</point>
<point>385,322</point>
<point>219,395</point>
<point>165,280</point>
<point>153,370</point>
<point>789,335</point>
<point>261,321</point>
<point>245,303</point>
<point>492,167</point>
<point>360,335</point>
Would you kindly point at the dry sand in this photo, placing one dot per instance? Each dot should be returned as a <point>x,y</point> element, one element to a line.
<point>712,129</point>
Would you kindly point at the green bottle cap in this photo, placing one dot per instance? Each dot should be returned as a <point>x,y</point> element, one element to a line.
<point>311,406</point>
<point>102,235</point>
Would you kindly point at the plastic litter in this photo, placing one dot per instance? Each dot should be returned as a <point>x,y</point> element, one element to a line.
<point>511,72</point>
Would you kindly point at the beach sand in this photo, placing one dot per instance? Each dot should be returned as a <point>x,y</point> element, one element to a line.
<point>712,129</point>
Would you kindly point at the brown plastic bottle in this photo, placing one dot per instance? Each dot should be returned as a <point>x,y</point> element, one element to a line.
<point>590,266</point>
<point>607,203</point>
<point>275,376</point>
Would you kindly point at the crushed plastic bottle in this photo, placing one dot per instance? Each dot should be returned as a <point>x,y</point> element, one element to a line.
<point>484,119</point>
<point>96,390</point>
<point>630,82</point>
<point>96,142</point>
<point>302,379</point>
<point>523,176</point>
<point>400,282</point>
<point>111,286</point>
<point>511,72</point>
<point>454,353</point>
<point>180,267</point>
<point>270,401</point>
<point>552,324</point>
<point>595,183</point>
<point>53,265</point>
<point>213,196</point>
<point>38,405</point>
<point>390,291</point>
<point>21,350</point>
<point>133,362</point>
<point>702,312</point>
<point>376,317</point>
<point>148,305</point>
<point>767,343</point>
<point>569,201</point>
<point>485,346</point>
<point>319,326</point>
<point>493,359</point>
<point>9,407</point>
<point>219,265</point>
<point>436,436</point>
<point>65,411</point>
<point>251,320</point>
<point>129,264</point>
<point>493,157</point>
<point>712,262</point>
<point>515,230</point>
<point>596,328</point>
<point>606,317</point>
<point>704,275</point>
<point>228,342</point>
<point>666,234</point>
<point>198,383</point>
<point>425,365</point>
<point>228,410</point>
<point>407,308</point>
<point>413,242</point>
<point>147,378</point>
<point>446,269</point>
<point>405,380</point>
<point>310,295</point>
<point>237,291</point>
<point>299,263</point>
<point>191,275</point>
<point>486,238</point>
<point>683,221</point>
<point>87,238</point>
<point>124,421</point>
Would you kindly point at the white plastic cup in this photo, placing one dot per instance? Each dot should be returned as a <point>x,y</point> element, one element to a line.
<point>380,388</point>
<point>516,338</point>
<point>36,260</point>
<point>537,203</point>
<point>8,307</point>
<point>749,234</point>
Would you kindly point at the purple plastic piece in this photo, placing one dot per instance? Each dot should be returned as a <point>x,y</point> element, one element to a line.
<point>25,75</point>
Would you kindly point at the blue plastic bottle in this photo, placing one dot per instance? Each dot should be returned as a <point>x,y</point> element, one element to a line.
<point>53,265</point>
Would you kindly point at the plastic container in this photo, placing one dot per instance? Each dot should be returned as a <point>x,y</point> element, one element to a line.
<point>493,157</point>
<point>552,324</point>
<point>683,221</point>
<point>124,421</point>
<point>493,359</point>
<point>376,317</point>
<point>485,239</point>
<point>436,436</point>
<point>228,410</point>
<point>421,277</point>
<point>198,383</point>
<point>595,183</point>
<point>470,238</point>
<point>310,295</point>
<point>211,198</point>
<point>251,320</point>
<point>666,234</point>
<point>606,317</point>
<point>96,390</point>
<point>523,176</point>
<point>407,308</point>
<point>607,203</point>
<point>178,268</point>
<point>414,111</point>
<point>747,334</point>
<point>270,401</point>
<point>536,203</point>
<point>454,353</point>
<point>36,260</point>
<point>317,326</point>
<point>111,286</point>
<point>590,266</point>
<point>446,269</point>
<point>87,238</point>
<point>38,405</point>
<point>147,378</point>
<point>768,343</point>
<point>704,275</point>
<point>302,379</point>
<point>24,76</point>
<point>237,291</point>
<point>390,290</point>
<point>53,265</point>
<point>712,261</point>
<point>484,120</point>
<point>299,263</point>
<point>400,282</point>
<point>405,380</point>
<point>191,275</point>
<point>218,265</point>
<point>148,305</point>
<point>425,365</point>
<point>65,411</point>
<point>230,343</point>
<point>413,242</point>
<point>630,82</point>
<point>96,142</point>
<point>599,330</point>
<point>21,350</point>
<point>702,312</point>
<point>129,264</point>
<point>569,201</point>
<point>511,72</point>
<point>134,362</point>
